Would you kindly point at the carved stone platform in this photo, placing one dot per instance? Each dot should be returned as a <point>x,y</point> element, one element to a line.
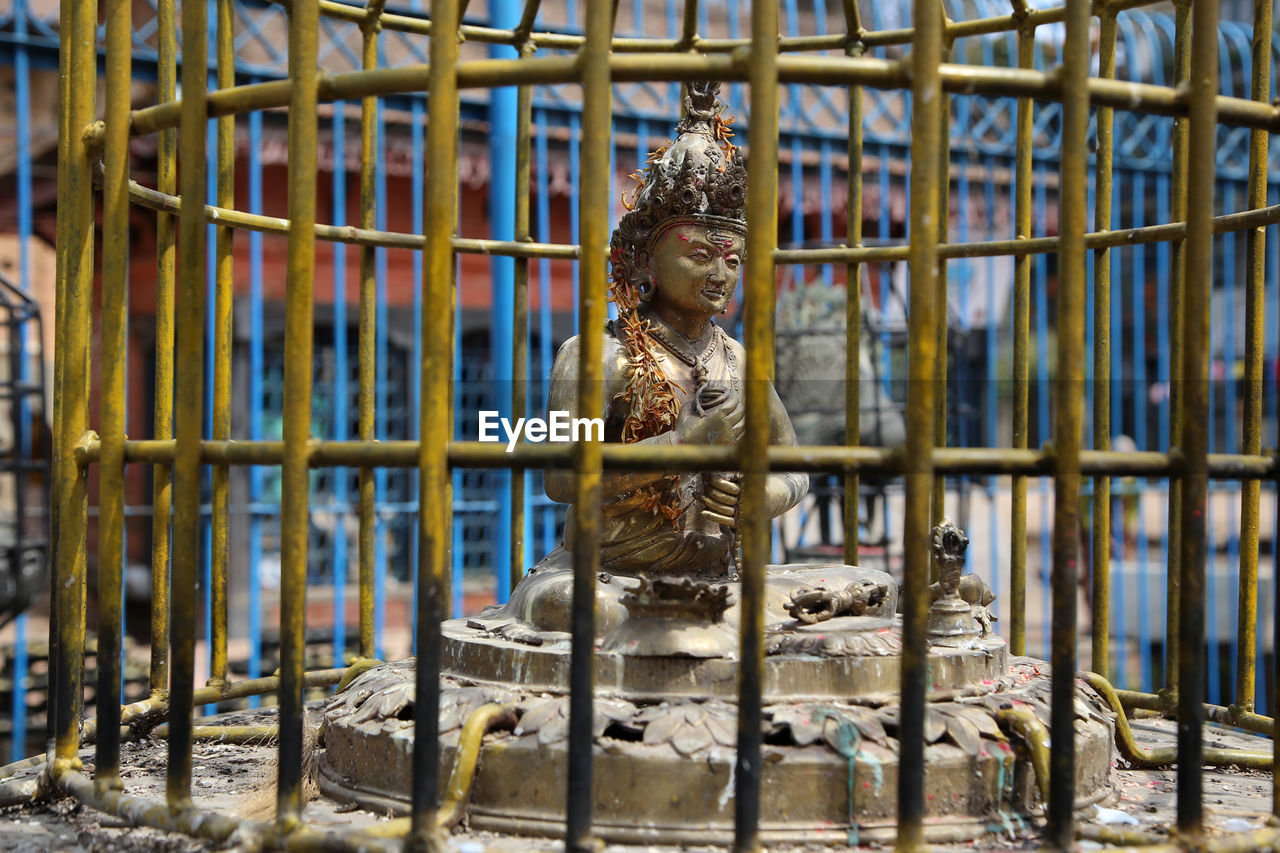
<point>665,729</point>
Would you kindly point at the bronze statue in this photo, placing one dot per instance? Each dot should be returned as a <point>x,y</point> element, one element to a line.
<point>672,376</point>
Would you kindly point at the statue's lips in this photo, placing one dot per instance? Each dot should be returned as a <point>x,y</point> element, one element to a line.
<point>714,292</point>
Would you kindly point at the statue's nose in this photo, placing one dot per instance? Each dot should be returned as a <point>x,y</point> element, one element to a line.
<point>719,271</point>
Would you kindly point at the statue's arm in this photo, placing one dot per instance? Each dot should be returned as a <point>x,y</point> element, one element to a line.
<point>563,396</point>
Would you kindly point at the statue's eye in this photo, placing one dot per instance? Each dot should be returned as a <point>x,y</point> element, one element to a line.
<point>700,255</point>
<point>733,261</point>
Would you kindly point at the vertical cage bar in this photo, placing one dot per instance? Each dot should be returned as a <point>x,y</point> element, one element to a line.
<point>304,25</point>
<point>189,398</point>
<point>853,297</point>
<point>939,496</point>
<point>520,318</point>
<point>923,378</point>
<point>1068,404</point>
<point>1255,346</point>
<point>166,272</point>
<point>115,333</point>
<point>1195,402</point>
<point>1021,332</point>
<point>367,340</point>
<point>1177,348</point>
<point>759,294</point>
<point>338,499</point>
<point>1101,562</point>
<point>593,239</point>
<point>434,507</point>
<point>77,261</point>
<point>223,292</point>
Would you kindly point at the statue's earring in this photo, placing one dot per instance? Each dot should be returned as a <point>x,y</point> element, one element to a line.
<point>647,288</point>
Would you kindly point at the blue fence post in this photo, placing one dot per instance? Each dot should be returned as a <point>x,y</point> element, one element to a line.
<point>503,107</point>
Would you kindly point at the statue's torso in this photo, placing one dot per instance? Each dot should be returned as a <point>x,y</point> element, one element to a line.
<point>634,536</point>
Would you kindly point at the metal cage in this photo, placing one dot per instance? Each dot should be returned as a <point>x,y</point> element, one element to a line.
<point>919,60</point>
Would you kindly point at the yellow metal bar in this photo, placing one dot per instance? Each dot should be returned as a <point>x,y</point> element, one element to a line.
<point>939,497</point>
<point>434,508</point>
<point>926,150</point>
<point>115,356</point>
<point>1255,306</point>
<point>1177,286</point>
<point>58,569</point>
<point>367,348</point>
<point>593,239</point>
<point>1225,223</point>
<point>520,313</point>
<point>223,287</point>
<point>1021,332</point>
<point>1069,402</point>
<point>189,399</point>
<point>1196,400</point>
<point>166,276</point>
<point>73,351</point>
<point>304,26</point>
<point>670,66</point>
<point>853,303</point>
<point>1101,527</point>
<point>839,458</point>
<point>759,293</point>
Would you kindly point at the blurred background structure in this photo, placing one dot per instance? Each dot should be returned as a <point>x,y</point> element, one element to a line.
<point>813,199</point>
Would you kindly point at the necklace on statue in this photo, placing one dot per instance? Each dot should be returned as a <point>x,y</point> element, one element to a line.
<point>678,346</point>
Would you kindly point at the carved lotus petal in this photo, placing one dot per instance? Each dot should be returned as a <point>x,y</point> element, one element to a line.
<point>871,727</point>
<point>661,728</point>
<point>690,738</point>
<point>538,712</point>
<point>557,729</point>
<point>964,734</point>
<point>724,730</point>
<point>841,734</point>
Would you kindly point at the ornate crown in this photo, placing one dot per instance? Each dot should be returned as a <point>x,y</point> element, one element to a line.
<point>700,177</point>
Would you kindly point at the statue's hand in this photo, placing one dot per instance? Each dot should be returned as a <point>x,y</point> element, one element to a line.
<point>720,499</point>
<point>720,425</point>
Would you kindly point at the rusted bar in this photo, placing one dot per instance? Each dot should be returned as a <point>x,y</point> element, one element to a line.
<point>436,368</point>
<point>926,147</point>
<point>1177,286</point>
<point>839,458</point>
<point>520,314</point>
<point>77,263</point>
<point>1021,333</point>
<point>674,66</point>
<point>367,368</point>
<point>115,355</point>
<point>593,238</point>
<point>759,294</point>
<point>1100,609</point>
<point>1196,400</point>
<point>189,400</point>
<point>853,301</point>
<point>166,277</point>
<point>944,226</point>
<point>1069,388</point>
<point>222,344</point>
<point>1255,307</point>
<point>304,28</point>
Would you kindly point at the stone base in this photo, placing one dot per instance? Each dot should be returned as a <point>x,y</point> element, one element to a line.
<point>664,768</point>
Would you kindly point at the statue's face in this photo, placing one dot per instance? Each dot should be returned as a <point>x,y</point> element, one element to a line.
<point>696,267</point>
